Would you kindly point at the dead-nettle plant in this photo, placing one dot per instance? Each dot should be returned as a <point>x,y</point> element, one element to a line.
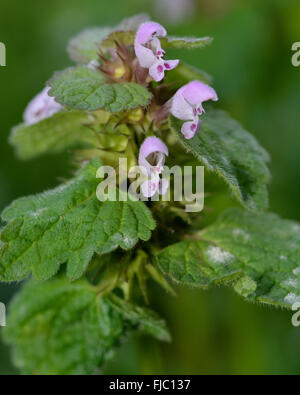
<point>91,261</point>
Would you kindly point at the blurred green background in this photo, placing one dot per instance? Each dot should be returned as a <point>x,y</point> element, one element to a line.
<point>250,59</point>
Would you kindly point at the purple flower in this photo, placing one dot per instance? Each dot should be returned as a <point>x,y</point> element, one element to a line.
<point>187,105</point>
<point>151,160</point>
<point>41,106</point>
<point>149,51</point>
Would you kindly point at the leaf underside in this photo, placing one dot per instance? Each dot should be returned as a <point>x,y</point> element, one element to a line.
<point>68,224</point>
<point>225,148</point>
<point>85,46</point>
<point>63,130</point>
<point>258,254</point>
<point>185,42</point>
<point>147,320</point>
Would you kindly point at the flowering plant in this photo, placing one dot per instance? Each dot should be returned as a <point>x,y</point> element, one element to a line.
<point>90,261</point>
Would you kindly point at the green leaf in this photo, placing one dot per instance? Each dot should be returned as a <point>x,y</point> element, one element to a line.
<point>68,224</point>
<point>74,85</point>
<point>85,89</point>
<point>259,254</point>
<point>147,320</point>
<point>64,328</point>
<point>55,134</point>
<point>185,42</point>
<point>86,45</point>
<point>225,148</point>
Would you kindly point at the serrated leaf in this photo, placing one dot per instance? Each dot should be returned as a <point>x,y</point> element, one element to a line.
<point>63,328</point>
<point>55,134</point>
<point>74,85</point>
<point>68,224</point>
<point>147,320</point>
<point>185,42</point>
<point>259,254</point>
<point>227,149</point>
<point>85,89</point>
<point>86,45</point>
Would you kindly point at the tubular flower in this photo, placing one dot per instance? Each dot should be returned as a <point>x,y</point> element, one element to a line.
<point>41,106</point>
<point>152,159</point>
<point>187,105</point>
<point>149,51</point>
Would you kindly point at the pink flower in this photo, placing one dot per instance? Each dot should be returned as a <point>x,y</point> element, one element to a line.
<point>41,106</point>
<point>187,105</point>
<point>151,160</point>
<point>149,51</point>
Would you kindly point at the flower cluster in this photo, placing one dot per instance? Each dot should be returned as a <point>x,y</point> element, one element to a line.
<point>186,105</point>
<point>146,63</point>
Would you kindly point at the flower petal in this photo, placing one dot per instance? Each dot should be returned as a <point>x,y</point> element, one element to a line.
<point>41,106</point>
<point>189,129</point>
<point>180,108</point>
<point>156,47</point>
<point>171,64</point>
<point>150,145</point>
<point>160,162</point>
<point>149,188</point>
<point>153,144</point>
<point>149,30</point>
<point>145,56</point>
<point>196,92</point>
<point>157,70</point>
<point>93,65</point>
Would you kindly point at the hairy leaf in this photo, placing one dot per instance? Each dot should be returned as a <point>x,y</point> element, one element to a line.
<point>63,130</point>
<point>185,42</point>
<point>86,45</point>
<point>147,320</point>
<point>225,148</point>
<point>62,328</point>
<point>68,224</point>
<point>259,254</point>
<point>85,89</point>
